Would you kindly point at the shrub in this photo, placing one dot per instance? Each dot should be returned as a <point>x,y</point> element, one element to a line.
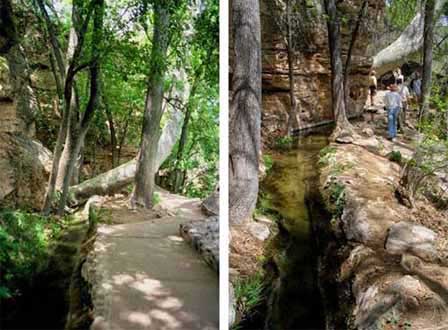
<point>249,294</point>
<point>327,155</point>
<point>395,156</point>
<point>24,241</point>
<point>268,162</point>
<point>284,142</point>
<point>336,197</point>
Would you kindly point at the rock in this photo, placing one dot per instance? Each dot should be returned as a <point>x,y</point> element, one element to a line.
<point>24,171</point>
<point>311,66</point>
<point>258,230</point>
<point>263,219</point>
<point>210,205</point>
<point>203,235</point>
<point>406,237</point>
<point>232,305</point>
<point>368,132</point>
<point>344,138</point>
<point>99,323</point>
<point>371,143</point>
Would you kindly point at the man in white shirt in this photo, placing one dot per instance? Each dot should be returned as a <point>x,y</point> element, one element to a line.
<point>405,94</point>
<point>392,102</point>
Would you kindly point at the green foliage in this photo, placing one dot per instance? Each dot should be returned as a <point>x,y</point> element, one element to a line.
<point>336,197</point>
<point>284,142</point>
<point>268,162</point>
<point>327,155</point>
<point>24,242</point>
<point>399,13</point>
<point>394,321</point>
<point>249,294</point>
<point>264,206</point>
<point>198,55</point>
<point>395,156</point>
<point>156,199</point>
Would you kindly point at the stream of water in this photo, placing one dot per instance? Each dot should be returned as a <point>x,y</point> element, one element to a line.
<point>295,301</point>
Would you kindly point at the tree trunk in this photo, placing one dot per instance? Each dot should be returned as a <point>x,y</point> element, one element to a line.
<point>146,166</point>
<point>427,57</point>
<point>78,135</point>
<point>123,175</point>
<point>343,127</point>
<point>68,74</point>
<point>178,172</point>
<point>293,118</point>
<point>113,133</point>
<point>406,45</point>
<point>178,177</point>
<point>361,14</point>
<point>245,110</point>
<point>123,134</point>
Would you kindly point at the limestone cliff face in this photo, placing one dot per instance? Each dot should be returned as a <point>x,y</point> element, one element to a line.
<point>312,66</point>
<point>24,162</point>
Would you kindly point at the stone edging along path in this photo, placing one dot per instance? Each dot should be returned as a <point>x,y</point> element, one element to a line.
<point>143,275</point>
<point>396,267</point>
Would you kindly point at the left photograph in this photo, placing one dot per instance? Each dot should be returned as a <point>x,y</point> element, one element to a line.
<point>109,163</point>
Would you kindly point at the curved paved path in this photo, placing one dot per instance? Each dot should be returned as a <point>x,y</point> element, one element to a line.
<point>153,279</point>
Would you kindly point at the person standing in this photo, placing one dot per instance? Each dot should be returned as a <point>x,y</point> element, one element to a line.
<point>398,76</point>
<point>417,87</point>
<point>372,87</point>
<point>392,102</point>
<point>403,90</point>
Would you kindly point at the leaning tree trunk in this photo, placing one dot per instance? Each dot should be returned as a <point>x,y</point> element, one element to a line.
<point>427,57</point>
<point>245,110</point>
<point>146,166</point>
<point>343,127</point>
<point>406,45</point>
<point>112,181</point>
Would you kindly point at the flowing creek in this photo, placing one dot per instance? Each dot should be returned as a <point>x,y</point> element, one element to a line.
<point>292,269</point>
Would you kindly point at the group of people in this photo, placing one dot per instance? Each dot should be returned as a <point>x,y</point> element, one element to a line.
<point>396,100</point>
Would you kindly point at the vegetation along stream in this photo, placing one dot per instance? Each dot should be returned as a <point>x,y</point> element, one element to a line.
<point>294,299</point>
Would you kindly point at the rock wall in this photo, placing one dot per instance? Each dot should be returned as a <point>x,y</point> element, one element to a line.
<point>312,65</point>
<point>394,266</point>
<point>24,162</point>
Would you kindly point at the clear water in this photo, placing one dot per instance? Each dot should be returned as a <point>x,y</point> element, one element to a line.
<point>287,186</point>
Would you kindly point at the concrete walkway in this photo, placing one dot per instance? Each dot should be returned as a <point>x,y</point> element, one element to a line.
<point>150,278</point>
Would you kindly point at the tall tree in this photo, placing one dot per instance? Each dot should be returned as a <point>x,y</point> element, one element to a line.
<point>428,35</point>
<point>76,132</point>
<point>146,165</point>
<point>245,110</point>
<point>343,127</point>
<point>65,73</point>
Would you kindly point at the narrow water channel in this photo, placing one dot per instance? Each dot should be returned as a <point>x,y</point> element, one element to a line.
<point>294,301</point>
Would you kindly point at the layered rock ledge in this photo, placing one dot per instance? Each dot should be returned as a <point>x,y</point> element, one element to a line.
<point>395,260</point>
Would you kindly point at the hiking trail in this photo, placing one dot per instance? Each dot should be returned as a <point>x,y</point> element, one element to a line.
<point>144,275</point>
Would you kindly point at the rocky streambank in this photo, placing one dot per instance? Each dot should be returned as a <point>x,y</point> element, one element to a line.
<point>392,267</point>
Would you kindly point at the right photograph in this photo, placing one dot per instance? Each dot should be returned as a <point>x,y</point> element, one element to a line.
<point>338,164</point>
